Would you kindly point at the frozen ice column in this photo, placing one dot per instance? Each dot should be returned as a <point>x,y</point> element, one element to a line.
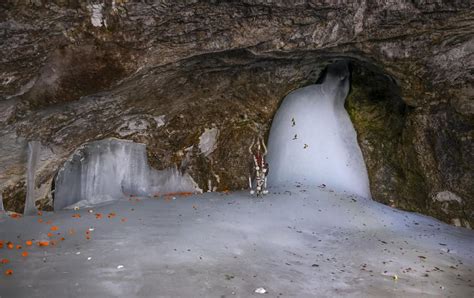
<point>313,141</point>
<point>2,210</point>
<point>34,148</point>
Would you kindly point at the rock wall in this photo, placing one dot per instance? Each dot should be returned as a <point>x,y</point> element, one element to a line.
<point>162,72</point>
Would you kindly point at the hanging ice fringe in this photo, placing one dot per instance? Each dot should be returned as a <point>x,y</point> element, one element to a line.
<point>107,170</point>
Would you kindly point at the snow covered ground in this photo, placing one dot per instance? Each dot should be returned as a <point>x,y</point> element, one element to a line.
<point>300,242</point>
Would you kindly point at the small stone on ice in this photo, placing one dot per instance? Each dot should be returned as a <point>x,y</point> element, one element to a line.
<point>119,266</point>
<point>260,291</point>
<point>89,258</point>
<point>78,253</point>
<point>91,229</point>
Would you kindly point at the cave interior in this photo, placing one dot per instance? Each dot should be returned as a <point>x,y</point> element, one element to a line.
<point>167,159</point>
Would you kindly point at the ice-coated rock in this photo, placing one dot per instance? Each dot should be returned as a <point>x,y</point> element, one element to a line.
<point>446,196</point>
<point>208,141</point>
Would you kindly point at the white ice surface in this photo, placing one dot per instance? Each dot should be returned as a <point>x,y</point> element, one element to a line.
<point>312,138</point>
<point>299,242</point>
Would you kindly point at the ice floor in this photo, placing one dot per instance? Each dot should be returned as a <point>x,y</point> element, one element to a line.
<point>302,242</point>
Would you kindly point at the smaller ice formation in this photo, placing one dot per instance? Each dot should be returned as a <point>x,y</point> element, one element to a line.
<point>110,169</point>
<point>34,148</point>
<point>2,210</point>
<point>312,139</point>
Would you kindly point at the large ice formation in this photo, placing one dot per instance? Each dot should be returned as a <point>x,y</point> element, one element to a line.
<point>110,169</point>
<point>312,139</point>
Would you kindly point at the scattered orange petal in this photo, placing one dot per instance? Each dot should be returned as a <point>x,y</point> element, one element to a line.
<point>43,243</point>
<point>1,243</point>
<point>18,246</point>
<point>178,194</point>
<point>15,215</point>
<point>40,220</point>
<point>40,213</point>
<point>5,261</point>
<point>111,215</point>
<point>8,272</point>
<point>76,216</point>
<point>24,254</point>
<point>29,242</point>
<point>54,228</point>
<point>50,235</point>
<point>53,242</point>
<point>10,245</point>
<point>62,239</point>
<point>48,222</point>
<point>98,215</point>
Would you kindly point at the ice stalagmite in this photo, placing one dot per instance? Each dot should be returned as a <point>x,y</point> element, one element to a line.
<point>312,139</point>
<point>34,148</point>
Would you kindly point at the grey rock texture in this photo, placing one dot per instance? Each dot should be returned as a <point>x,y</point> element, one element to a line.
<point>161,72</point>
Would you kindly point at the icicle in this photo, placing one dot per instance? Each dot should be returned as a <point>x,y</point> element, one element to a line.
<point>2,210</point>
<point>34,148</point>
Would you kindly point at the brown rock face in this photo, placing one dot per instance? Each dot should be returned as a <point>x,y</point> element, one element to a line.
<point>161,72</point>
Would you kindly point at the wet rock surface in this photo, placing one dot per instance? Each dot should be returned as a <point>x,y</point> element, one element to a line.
<point>162,72</point>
